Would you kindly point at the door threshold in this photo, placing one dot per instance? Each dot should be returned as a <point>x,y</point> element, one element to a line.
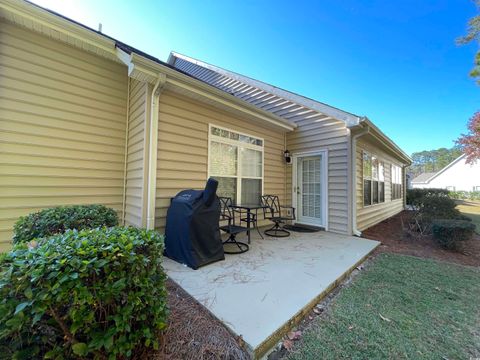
<point>299,227</point>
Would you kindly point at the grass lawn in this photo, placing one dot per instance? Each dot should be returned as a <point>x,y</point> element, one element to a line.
<point>400,307</point>
<point>472,210</point>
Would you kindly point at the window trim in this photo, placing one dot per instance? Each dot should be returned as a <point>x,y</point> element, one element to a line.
<point>402,190</point>
<point>239,144</point>
<point>380,160</point>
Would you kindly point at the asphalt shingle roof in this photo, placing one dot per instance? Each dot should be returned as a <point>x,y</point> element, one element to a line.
<point>423,177</point>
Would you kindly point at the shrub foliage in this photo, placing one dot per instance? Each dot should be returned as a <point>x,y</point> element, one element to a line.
<point>97,293</point>
<point>438,207</point>
<point>435,213</point>
<point>415,196</point>
<point>56,220</point>
<point>449,233</point>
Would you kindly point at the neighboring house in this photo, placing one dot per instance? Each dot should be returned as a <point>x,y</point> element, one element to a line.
<point>456,176</point>
<point>88,119</point>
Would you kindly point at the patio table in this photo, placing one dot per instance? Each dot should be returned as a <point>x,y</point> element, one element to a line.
<point>249,208</point>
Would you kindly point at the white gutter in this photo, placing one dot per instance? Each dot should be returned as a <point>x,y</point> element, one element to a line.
<point>153,149</point>
<point>353,180</point>
<point>384,139</point>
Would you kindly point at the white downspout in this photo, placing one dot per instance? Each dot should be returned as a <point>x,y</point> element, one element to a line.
<point>353,182</point>
<point>124,200</point>
<point>153,149</point>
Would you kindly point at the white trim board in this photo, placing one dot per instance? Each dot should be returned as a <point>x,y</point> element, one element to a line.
<point>324,174</point>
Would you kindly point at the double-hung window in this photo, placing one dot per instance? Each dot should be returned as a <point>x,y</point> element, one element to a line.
<point>396,182</point>
<point>373,180</point>
<point>236,161</point>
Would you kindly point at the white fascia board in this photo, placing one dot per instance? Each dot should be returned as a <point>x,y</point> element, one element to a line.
<point>348,118</point>
<point>365,121</point>
<point>44,20</point>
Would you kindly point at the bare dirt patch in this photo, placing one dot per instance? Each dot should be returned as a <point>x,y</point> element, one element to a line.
<point>395,240</point>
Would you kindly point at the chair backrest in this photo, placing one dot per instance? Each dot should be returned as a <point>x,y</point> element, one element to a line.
<point>226,212</point>
<point>271,204</point>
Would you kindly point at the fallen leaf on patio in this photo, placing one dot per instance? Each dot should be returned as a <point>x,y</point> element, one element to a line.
<point>288,344</point>
<point>294,335</point>
<point>384,318</point>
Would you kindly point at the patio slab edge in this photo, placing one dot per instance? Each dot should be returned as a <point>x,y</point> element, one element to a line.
<point>269,343</point>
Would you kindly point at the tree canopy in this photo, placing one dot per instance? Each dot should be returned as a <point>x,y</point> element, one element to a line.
<point>473,35</point>
<point>432,160</point>
<point>470,142</point>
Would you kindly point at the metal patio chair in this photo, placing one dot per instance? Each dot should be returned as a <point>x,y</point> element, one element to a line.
<point>273,211</point>
<point>228,214</point>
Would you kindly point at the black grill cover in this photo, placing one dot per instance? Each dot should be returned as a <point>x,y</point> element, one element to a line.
<point>192,234</point>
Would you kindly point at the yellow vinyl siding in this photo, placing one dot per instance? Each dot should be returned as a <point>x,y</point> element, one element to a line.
<point>136,154</point>
<point>330,134</point>
<point>62,127</point>
<point>183,149</point>
<point>373,214</point>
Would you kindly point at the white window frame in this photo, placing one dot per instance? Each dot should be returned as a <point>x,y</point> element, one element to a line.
<point>393,182</point>
<point>372,179</point>
<point>239,144</point>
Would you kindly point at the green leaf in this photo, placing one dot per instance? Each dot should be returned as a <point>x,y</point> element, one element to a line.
<point>80,349</point>
<point>28,293</point>
<point>20,307</point>
<point>36,318</point>
<point>119,284</point>
<point>50,354</point>
<point>108,343</point>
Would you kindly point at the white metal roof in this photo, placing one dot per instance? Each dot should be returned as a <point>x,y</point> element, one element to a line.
<point>283,103</point>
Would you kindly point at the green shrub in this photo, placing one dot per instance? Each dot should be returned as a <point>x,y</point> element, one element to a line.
<point>56,220</point>
<point>448,233</point>
<point>438,207</point>
<point>96,293</point>
<point>415,196</point>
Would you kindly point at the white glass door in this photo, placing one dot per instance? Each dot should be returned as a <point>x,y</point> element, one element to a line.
<point>309,190</point>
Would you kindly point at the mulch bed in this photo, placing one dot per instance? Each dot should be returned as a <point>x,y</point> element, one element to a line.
<point>194,333</point>
<point>395,240</point>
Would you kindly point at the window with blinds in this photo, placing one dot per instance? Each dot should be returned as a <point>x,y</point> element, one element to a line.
<point>373,180</point>
<point>396,182</point>
<point>236,161</point>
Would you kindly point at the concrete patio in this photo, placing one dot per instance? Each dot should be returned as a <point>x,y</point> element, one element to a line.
<point>262,293</point>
